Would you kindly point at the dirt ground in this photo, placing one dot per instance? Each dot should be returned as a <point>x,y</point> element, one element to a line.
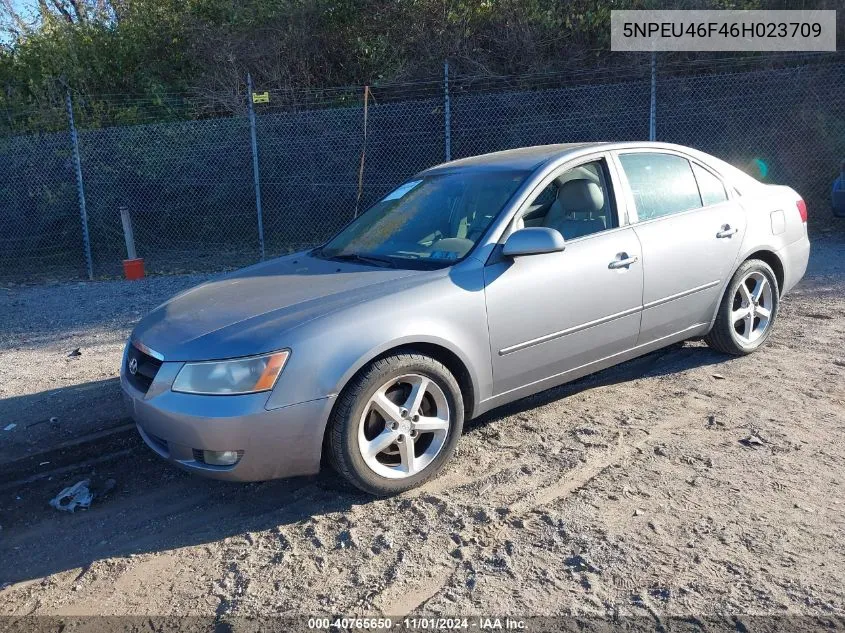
<point>682,483</point>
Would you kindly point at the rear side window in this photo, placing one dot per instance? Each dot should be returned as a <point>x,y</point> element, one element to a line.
<point>662,184</point>
<point>711,188</point>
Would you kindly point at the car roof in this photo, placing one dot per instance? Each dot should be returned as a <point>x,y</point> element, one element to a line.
<point>519,159</point>
<point>531,158</point>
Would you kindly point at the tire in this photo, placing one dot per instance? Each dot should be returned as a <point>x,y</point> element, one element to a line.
<point>359,423</point>
<point>730,332</point>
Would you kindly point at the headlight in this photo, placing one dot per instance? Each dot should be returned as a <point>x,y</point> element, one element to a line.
<point>237,376</point>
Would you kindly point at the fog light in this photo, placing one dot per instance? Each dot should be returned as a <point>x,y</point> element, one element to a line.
<point>220,458</point>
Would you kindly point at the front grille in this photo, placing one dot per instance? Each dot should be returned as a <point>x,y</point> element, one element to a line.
<point>146,370</point>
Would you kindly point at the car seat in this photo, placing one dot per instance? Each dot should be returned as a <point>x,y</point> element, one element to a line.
<point>576,210</point>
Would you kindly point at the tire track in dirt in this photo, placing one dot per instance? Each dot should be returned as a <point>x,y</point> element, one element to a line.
<point>575,479</point>
<point>416,596</point>
<point>581,476</point>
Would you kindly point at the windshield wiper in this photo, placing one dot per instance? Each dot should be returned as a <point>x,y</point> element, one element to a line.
<point>364,259</point>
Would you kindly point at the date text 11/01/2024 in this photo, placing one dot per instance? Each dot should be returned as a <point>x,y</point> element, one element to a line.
<point>418,624</point>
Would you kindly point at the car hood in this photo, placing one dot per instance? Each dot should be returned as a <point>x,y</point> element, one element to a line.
<point>249,311</point>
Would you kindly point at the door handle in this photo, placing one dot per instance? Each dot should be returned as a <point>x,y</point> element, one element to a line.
<point>726,231</point>
<point>624,262</point>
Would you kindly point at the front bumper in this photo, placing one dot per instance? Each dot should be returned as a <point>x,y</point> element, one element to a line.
<point>283,442</point>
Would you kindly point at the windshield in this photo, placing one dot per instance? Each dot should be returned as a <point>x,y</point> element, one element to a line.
<point>429,222</point>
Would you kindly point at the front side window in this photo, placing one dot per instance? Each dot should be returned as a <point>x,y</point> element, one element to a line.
<point>662,184</point>
<point>711,188</point>
<point>429,222</point>
<point>576,203</point>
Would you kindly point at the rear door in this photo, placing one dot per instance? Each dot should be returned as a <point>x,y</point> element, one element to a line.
<point>690,230</point>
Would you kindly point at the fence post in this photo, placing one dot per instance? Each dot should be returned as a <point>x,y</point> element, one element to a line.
<point>80,188</point>
<point>128,235</point>
<point>363,152</point>
<point>447,116</point>
<point>255,173</point>
<point>652,117</point>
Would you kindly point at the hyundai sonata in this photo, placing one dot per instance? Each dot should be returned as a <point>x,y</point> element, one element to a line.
<point>475,283</point>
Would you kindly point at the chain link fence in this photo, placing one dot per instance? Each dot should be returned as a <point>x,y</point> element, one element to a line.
<point>187,185</point>
<point>192,187</point>
<point>783,126</point>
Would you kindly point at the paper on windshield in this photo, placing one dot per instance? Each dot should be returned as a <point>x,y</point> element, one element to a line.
<point>401,191</point>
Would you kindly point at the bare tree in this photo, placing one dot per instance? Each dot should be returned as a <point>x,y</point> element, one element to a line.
<point>12,20</point>
<point>74,11</point>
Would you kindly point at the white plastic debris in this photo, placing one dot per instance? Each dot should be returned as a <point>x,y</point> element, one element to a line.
<point>9,427</point>
<point>76,496</point>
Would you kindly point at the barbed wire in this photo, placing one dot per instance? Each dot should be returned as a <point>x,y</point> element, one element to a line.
<point>127,108</point>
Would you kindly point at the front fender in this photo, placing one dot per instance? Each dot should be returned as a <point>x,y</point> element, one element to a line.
<point>448,311</point>
<point>409,341</point>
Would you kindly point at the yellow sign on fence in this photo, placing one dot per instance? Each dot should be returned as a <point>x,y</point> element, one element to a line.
<point>261,97</point>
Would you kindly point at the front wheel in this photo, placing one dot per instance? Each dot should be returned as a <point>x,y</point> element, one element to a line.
<point>396,424</point>
<point>748,310</point>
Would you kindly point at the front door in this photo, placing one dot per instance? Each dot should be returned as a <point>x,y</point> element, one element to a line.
<point>552,314</point>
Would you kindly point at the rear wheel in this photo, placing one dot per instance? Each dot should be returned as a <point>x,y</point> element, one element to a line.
<point>396,424</point>
<point>748,310</point>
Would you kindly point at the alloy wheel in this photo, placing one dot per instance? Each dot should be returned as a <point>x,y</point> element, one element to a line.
<point>751,312</point>
<point>404,426</point>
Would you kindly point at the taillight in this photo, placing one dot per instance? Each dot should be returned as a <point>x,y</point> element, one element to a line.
<point>802,210</point>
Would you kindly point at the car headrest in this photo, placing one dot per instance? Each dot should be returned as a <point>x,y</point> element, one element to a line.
<point>580,196</point>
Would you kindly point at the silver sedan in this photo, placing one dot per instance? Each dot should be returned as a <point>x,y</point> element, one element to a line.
<point>475,283</point>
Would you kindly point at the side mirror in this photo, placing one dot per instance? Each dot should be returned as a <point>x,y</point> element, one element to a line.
<point>533,241</point>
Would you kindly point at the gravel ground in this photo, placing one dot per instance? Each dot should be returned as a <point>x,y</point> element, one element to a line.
<point>681,483</point>
<point>47,391</point>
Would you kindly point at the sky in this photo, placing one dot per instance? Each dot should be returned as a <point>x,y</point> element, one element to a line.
<point>25,9</point>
